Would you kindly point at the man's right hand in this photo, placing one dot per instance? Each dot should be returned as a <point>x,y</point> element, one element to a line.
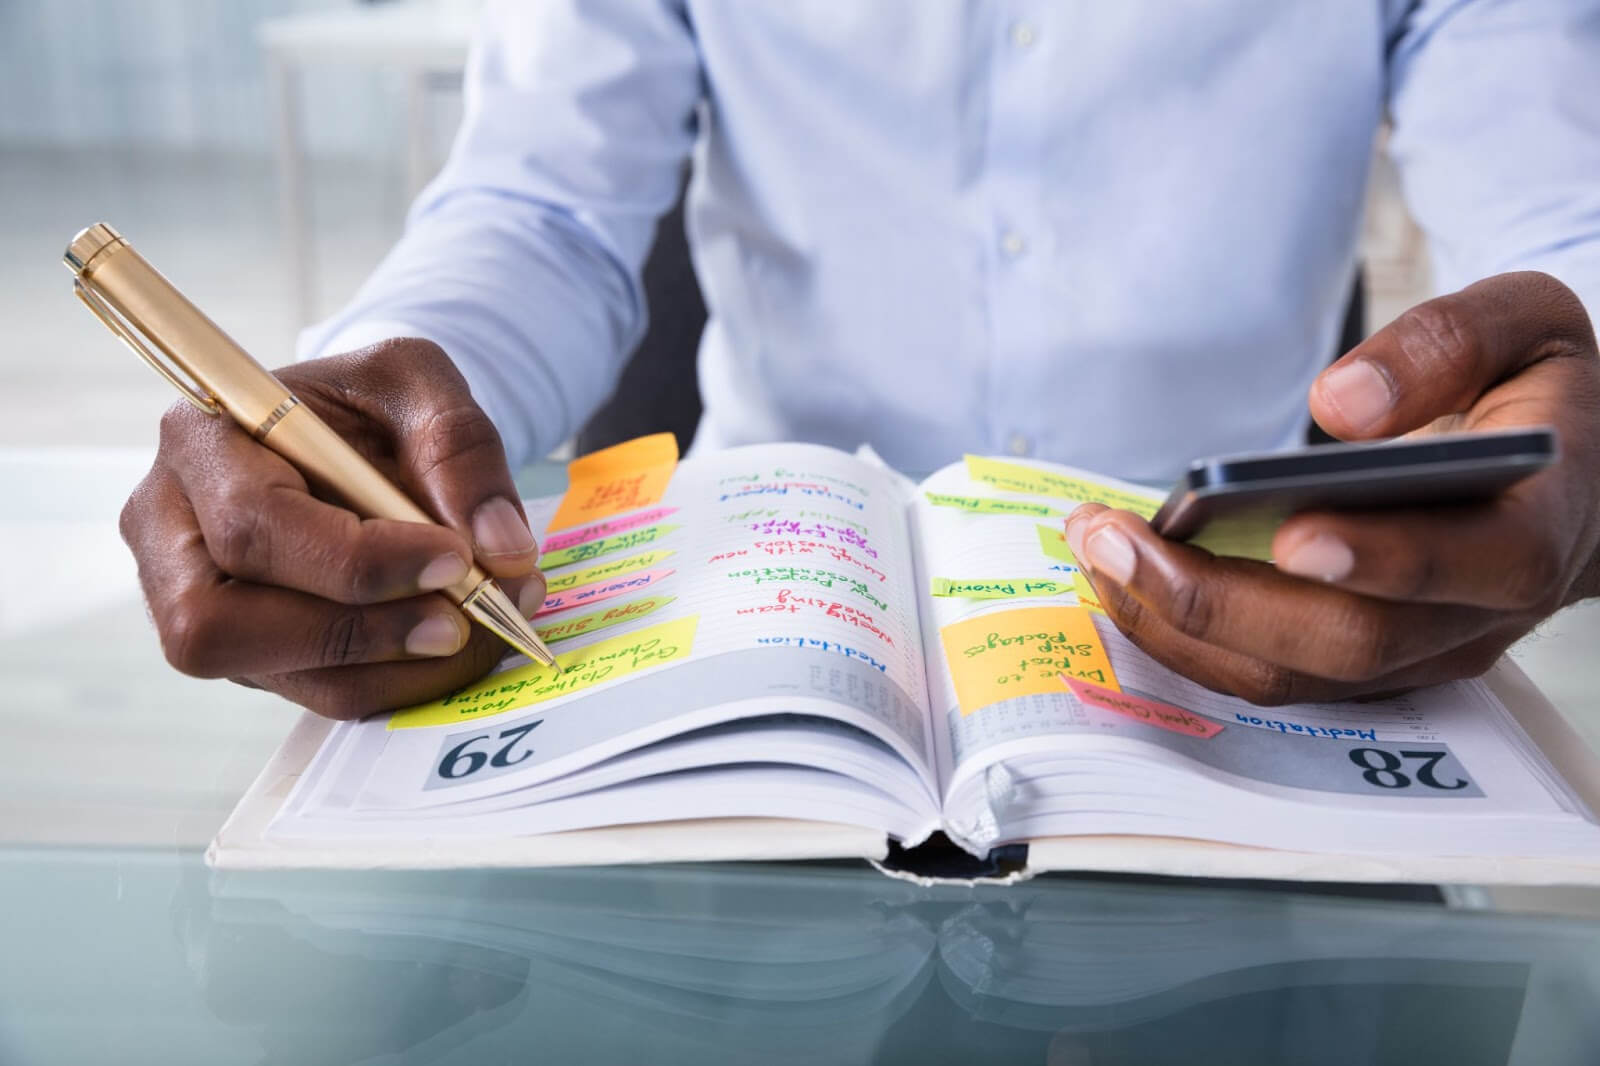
<point>252,574</point>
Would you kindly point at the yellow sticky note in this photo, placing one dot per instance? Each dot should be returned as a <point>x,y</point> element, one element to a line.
<point>604,618</point>
<point>582,668</point>
<point>616,568</point>
<point>997,588</point>
<point>1087,596</point>
<point>1024,652</point>
<point>621,478</point>
<point>993,505</point>
<point>1053,542</point>
<point>1018,478</point>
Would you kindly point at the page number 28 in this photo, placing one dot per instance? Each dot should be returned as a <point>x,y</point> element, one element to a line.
<point>1382,768</point>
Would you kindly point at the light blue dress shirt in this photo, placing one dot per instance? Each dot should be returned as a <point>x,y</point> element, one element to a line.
<point>1115,234</point>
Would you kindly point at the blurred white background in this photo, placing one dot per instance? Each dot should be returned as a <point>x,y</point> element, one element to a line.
<point>158,116</point>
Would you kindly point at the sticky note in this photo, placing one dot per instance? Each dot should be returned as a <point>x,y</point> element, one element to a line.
<point>1150,712</point>
<point>624,477</point>
<point>557,541</point>
<point>1053,542</point>
<point>999,588</point>
<point>584,624</point>
<point>582,668</point>
<point>993,505</point>
<point>601,590</point>
<point>1006,654</point>
<point>1087,596</point>
<point>594,549</point>
<point>615,568</point>
<point>1247,536</point>
<point>1017,478</point>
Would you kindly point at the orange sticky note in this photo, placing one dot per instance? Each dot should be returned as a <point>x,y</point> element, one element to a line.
<point>1006,654</point>
<point>1150,712</point>
<point>621,478</point>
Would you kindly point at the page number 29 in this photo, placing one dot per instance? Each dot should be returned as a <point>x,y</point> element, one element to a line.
<point>458,762</point>
<point>1382,768</point>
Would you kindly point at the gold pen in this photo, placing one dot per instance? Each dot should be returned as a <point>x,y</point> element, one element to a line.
<point>132,298</point>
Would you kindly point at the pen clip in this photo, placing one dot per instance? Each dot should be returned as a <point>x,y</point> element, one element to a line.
<point>127,335</point>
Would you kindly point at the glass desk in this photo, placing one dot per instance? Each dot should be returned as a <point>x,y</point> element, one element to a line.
<point>143,955</point>
<point>120,946</point>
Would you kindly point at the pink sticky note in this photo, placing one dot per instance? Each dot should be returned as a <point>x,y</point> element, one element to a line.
<point>1150,712</point>
<point>600,530</point>
<point>601,590</point>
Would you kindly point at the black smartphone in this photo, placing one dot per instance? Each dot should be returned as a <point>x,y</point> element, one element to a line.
<point>1260,489</point>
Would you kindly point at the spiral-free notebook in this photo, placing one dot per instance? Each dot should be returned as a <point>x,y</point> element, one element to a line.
<point>788,652</point>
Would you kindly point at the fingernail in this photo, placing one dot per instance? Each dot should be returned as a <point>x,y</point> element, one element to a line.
<point>442,572</point>
<point>436,636</point>
<point>1111,553</point>
<point>500,530</point>
<point>1075,536</point>
<point>531,598</point>
<point>1359,392</point>
<point>1324,557</point>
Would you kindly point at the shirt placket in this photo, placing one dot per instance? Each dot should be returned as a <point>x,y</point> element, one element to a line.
<point>1020,243</point>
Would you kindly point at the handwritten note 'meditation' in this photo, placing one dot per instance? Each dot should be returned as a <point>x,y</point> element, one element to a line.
<point>1024,652</point>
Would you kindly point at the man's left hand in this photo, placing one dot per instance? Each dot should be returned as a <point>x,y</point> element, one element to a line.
<point>1361,603</point>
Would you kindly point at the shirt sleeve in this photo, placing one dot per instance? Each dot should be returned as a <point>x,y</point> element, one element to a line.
<point>522,258</point>
<point>1496,112</point>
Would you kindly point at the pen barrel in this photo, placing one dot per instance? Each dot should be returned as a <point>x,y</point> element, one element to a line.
<point>127,281</point>
<point>230,378</point>
<point>245,389</point>
<point>309,443</point>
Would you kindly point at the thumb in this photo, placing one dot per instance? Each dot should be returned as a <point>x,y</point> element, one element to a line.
<point>1438,358</point>
<point>448,454</point>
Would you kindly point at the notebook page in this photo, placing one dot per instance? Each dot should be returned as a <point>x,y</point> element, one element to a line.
<point>778,581</point>
<point>984,536</point>
<point>1450,750</point>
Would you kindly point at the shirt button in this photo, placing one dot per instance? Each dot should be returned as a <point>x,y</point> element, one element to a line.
<point>1012,244</point>
<point>1019,445</point>
<point>1023,34</point>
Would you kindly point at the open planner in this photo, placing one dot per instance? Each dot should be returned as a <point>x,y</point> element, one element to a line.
<point>785,651</point>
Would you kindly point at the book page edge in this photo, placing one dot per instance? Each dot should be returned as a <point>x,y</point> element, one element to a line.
<point>241,843</point>
<point>1545,725</point>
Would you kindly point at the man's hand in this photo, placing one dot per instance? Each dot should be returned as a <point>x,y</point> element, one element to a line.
<point>1365,603</point>
<point>250,574</point>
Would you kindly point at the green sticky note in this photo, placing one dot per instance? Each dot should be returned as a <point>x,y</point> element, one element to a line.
<point>1053,542</point>
<point>992,505</point>
<point>1245,536</point>
<point>1018,478</point>
<point>604,618</point>
<point>614,568</point>
<point>998,588</point>
<point>578,553</point>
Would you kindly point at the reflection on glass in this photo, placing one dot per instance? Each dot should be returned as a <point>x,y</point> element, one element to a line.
<point>834,964</point>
